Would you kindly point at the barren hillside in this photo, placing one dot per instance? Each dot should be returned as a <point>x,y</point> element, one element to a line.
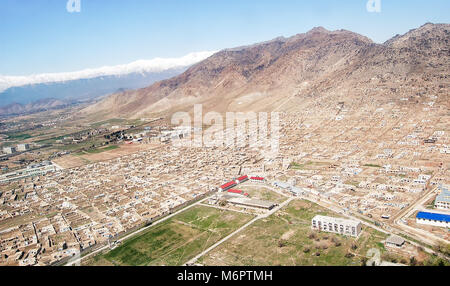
<point>316,69</point>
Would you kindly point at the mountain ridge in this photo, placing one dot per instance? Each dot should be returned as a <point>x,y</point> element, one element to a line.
<point>305,65</point>
<point>92,83</point>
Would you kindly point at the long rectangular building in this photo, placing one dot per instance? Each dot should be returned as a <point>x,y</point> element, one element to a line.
<point>336,225</point>
<point>443,200</point>
<point>227,186</point>
<point>242,179</point>
<point>257,179</point>
<point>30,171</point>
<point>435,219</point>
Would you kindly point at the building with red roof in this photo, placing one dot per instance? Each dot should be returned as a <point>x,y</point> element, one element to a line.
<point>228,186</point>
<point>242,179</point>
<point>257,179</point>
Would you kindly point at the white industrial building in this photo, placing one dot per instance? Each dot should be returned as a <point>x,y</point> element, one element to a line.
<point>443,200</point>
<point>336,225</point>
<point>31,171</point>
<point>23,147</point>
<point>9,150</point>
<point>434,219</point>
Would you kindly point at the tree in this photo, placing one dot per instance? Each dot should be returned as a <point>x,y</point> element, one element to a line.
<point>336,242</point>
<point>443,248</point>
<point>364,261</point>
<point>281,243</point>
<point>413,261</point>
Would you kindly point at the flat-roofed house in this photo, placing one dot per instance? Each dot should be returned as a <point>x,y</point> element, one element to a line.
<point>23,147</point>
<point>9,150</point>
<point>395,241</point>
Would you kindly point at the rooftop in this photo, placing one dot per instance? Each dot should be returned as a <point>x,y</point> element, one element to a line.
<point>242,178</point>
<point>444,196</point>
<point>336,220</point>
<point>229,184</point>
<point>433,216</point>
<point>394,239</point>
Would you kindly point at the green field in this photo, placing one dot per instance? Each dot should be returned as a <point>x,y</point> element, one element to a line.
<point>297,166</point>
<point>372,165</point>
<point>286,238</point>
<point>18,136</point>
<point>100,150</point>
<point>97,150</point>
<point>175,241</point>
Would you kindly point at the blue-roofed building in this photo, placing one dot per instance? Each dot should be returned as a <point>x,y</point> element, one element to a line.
<point>443,200</point>
<point>434,219</point>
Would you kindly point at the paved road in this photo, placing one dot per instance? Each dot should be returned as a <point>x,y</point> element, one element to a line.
<point>409,210</point>
<point>193,260</point>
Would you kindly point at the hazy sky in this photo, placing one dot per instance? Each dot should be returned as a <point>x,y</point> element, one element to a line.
<point>39,36</point>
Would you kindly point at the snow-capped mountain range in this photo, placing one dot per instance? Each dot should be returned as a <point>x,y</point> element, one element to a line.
<point>91,83</point>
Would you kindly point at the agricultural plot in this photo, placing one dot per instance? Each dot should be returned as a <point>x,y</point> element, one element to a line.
<point>175,241</point>
<point>309,165</point>
<point>98,150</point>
<point>286,238</point>
<point>99,155</point>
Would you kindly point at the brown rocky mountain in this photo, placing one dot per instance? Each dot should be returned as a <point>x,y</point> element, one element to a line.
<point>316,69</point>
<point>37,106</point>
